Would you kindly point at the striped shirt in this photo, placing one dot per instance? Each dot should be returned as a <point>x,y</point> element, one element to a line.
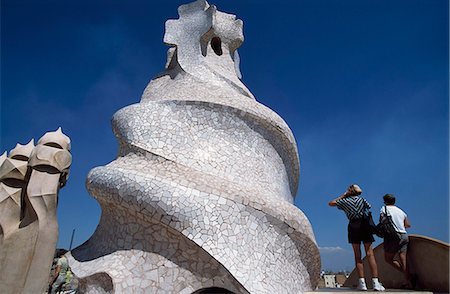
<point>354,206</point>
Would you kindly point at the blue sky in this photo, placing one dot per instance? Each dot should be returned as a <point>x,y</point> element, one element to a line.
<point>363,84</point>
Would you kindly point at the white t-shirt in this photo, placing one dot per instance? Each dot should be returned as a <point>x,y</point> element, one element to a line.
<point>398,217</point>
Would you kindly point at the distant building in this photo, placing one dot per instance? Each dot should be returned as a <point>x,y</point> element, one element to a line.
<point>340,279</point>
<point>330,281</point>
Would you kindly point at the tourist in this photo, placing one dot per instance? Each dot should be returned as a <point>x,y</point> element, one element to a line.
<point>63,279</point>
<point>399,244</point>
<point>356,208</point>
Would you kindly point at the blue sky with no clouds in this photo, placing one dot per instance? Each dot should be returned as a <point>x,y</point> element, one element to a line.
<point>363,84</point>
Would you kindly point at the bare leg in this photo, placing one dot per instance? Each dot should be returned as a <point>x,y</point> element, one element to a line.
<point>389,258</point>
<point>371,258</point>
<point>404,265</point>
<point>358,260</point>
<point>410,280</point>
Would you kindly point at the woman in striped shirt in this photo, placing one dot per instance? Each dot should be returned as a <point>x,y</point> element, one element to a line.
<point>356,207</point>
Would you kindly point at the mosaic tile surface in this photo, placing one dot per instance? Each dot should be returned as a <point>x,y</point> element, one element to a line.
<point>201,194</point>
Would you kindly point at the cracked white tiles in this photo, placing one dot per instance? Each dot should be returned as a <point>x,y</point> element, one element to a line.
<point>201,194</point>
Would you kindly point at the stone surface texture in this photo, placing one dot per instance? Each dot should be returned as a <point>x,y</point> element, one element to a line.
<point>30,179</point>
<point>201,193</point>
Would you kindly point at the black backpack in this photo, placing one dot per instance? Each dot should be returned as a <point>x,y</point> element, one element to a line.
<point>386,228</point>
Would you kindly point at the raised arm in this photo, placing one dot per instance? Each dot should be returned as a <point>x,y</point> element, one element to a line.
<point>333,202</point>
<point>407,223</point>
<point>56,274</point>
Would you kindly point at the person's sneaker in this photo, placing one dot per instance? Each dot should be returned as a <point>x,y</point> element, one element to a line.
<point>361,285</point>
<point>377,286</point>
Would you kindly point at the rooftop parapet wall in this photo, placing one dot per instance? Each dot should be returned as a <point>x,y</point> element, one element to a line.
<point>427,258</point>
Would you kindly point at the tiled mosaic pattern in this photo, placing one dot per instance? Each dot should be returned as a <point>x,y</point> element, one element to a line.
<point>201,193</point>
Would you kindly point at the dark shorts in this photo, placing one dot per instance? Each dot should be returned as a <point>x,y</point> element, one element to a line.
<point>359,231</point>
<point>396,245</point>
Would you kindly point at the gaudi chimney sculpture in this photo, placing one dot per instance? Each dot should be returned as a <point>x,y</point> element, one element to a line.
<point>201,193</point>
<point>30,180</point>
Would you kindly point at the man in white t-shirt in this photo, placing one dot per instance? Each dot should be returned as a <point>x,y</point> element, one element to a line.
<point>399,245</point>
